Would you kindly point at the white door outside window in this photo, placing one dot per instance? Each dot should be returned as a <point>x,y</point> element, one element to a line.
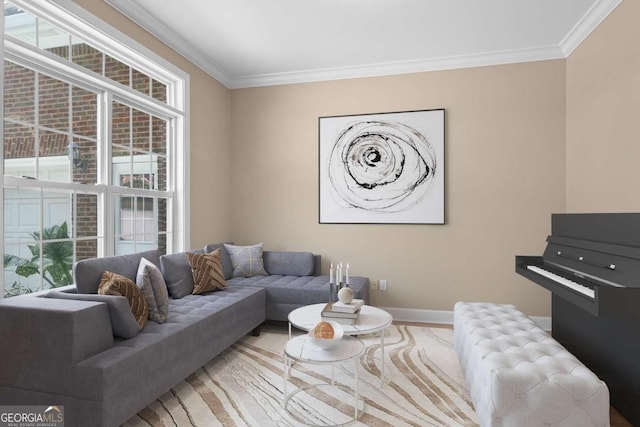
<point>130,222</point>
<point>22,210</point>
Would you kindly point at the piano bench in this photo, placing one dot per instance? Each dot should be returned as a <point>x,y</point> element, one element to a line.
<point>518,375</point>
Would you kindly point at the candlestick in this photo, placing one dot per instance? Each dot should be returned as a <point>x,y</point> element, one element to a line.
<point>346,280</point>
<point>331,274</point>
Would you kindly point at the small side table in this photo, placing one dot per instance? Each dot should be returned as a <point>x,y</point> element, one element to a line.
<point>371,320</point>
<point>300,349</point>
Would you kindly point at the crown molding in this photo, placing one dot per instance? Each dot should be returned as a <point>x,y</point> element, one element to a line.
<point>596,14</point>
<point>594,17</point>
<point>400,67</point>
<point>158,29</point>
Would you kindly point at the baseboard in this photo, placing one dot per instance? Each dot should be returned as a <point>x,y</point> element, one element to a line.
<point>443,317</point>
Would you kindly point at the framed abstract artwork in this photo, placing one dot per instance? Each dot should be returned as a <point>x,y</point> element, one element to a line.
<point>383,168</point>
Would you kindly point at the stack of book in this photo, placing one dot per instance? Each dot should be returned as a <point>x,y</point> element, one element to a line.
<point>346,314</point>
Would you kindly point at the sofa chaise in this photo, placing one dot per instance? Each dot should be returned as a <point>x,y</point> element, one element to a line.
<point>62,347</point>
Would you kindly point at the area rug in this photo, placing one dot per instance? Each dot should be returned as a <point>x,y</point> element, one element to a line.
<point>243,386</point>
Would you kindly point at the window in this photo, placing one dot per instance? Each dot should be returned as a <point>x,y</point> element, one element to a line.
<point>94,146</point>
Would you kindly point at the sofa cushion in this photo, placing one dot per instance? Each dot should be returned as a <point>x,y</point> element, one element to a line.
<point>227,267</point>
<point>154,288</point>
<point>197,329</point>
<point>114,284</point>
<point>123,324</point>
<point>207,272</point>
<point>87,272</point>
<point>246,260</point>
<point>177,273</point>
<point>288,263</point>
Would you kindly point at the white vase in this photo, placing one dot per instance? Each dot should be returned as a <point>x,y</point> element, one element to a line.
<point>345,295</point>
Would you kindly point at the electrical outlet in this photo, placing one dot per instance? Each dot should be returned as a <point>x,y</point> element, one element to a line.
<point>382,284</point>
<point>374,285</point>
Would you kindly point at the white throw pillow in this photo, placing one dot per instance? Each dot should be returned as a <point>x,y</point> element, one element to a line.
<point>154,288</point>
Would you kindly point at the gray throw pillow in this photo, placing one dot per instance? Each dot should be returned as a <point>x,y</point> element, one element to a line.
<point>246,260</point>
<point>177,273</point>
<point>154,289</point>
<point>227,266</point>
<point>123,324</point>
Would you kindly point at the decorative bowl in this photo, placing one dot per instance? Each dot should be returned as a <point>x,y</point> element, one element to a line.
<point>324,343</point>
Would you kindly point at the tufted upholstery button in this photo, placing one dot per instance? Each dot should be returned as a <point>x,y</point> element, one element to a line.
<point>520,376</point>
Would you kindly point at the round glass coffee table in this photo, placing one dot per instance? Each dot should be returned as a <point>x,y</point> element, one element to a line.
<point>301,349</point>
<point>370,320</point>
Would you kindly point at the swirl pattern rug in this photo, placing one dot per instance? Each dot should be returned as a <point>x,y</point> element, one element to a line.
<point>243,386</point>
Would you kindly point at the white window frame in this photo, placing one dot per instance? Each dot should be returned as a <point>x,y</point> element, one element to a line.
<point>76,21</point>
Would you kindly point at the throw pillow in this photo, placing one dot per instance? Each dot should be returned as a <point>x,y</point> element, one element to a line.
<point>177,272</point>
<point>207,272</point>
<point>246,260</point>
<point>154,289</point>
<point>115,284</point>
<point>227,267</point>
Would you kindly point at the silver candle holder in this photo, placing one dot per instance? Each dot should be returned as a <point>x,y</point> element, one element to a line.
<point>339,282</point>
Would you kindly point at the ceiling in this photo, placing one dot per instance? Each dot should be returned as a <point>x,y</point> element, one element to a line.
<point>246,43</point>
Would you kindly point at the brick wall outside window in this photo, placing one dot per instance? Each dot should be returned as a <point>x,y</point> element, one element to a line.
<point>54,99</point>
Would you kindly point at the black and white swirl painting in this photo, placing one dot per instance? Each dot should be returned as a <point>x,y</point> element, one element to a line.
<point>382,168</point>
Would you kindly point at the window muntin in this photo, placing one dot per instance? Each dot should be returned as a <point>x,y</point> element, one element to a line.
<point>38,249</point>
<point>60,128</point>
<point>48,118</point>
<point>44,35</point>
<point>141,224</point>
<point>139,148</point>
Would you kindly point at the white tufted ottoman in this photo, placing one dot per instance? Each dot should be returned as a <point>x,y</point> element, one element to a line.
<point>519,376</point>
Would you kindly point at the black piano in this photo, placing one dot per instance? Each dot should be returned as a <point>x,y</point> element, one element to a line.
<point>592,267</point>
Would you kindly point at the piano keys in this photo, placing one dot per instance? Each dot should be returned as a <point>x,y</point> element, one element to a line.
<point>561,280</point>
<point>591,265</point>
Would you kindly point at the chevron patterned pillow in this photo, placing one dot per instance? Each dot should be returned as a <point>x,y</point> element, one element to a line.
<point>207,272</point>
<point>115,284</point>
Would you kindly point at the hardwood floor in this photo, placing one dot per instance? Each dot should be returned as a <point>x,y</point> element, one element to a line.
<point>616,419</point>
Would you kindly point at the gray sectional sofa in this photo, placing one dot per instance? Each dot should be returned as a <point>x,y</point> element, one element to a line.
<point>59,347</point>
